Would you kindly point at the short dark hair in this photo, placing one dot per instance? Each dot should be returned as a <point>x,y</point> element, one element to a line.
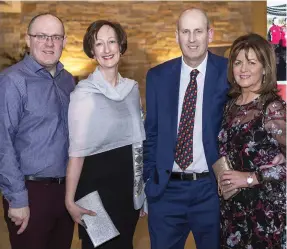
<point>274,19</point>
<point>43,14</point>
<point>92,32</point>
<point>265,55</point>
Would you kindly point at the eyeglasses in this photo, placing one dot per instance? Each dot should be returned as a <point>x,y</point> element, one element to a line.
<point>43,38</point>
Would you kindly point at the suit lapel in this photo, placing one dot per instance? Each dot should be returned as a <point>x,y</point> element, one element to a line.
<point>173,80</point>
<point>209,88</point>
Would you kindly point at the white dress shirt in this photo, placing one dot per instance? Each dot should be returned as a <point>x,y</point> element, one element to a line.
<point>199,163</point>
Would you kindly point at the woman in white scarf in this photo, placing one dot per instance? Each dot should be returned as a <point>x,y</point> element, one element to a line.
<point>106,133</point>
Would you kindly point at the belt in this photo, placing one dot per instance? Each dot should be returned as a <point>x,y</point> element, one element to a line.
<point>182,176</point>
<point>59,180</point>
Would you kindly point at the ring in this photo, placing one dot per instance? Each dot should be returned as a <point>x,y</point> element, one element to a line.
<point>228,182</point>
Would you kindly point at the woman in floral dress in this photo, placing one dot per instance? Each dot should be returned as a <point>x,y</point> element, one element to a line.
<point>253,133</point>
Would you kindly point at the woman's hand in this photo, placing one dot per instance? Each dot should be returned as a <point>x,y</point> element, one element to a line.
<point>77,212</point>
<point>280,158</point>
<point>142,213</point>
<point>232,179</point>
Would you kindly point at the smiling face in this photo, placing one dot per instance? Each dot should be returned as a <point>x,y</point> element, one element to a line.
<point>46,53</point>
<point>193,36</point>
<point>248,72</point>
<point>106,48</point>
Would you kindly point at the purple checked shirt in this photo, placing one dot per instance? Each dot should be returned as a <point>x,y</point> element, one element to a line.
<point>34,136</point>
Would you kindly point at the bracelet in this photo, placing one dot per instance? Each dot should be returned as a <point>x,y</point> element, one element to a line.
<point>259,176</point>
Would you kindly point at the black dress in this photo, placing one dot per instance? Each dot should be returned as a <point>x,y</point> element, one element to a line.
<point>111,173</point>
<point>251,136</point>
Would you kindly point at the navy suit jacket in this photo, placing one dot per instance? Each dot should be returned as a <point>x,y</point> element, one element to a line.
<point>162,94</point>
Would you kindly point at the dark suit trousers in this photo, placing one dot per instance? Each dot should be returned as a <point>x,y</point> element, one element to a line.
<point>50,225</point>
<point>185,206</point>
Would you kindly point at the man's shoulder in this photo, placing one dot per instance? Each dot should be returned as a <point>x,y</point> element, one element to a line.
<point>67,73</point>
<point>69,80</point>
<point>220,60</point>
<point>166,66</point>
<point>275,28</point>
<point>15,72</point>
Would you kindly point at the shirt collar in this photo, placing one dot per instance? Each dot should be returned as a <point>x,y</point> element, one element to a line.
<point>34,66</point>
<point>186,69</point>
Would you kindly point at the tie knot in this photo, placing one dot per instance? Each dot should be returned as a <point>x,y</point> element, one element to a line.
<point>194,73</point>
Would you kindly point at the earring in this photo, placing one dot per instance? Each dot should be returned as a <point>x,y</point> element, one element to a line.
<point>263,80</point>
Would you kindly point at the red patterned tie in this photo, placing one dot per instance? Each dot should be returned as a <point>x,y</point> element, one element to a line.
<point>184,147</point>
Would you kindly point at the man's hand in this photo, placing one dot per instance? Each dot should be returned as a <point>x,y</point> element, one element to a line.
<point>20,216</point>
<point>277,160</point>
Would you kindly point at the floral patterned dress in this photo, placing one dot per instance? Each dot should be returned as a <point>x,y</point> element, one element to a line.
<point>251,136</point>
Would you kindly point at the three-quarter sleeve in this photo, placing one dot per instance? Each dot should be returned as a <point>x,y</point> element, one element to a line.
<point>275,125</point>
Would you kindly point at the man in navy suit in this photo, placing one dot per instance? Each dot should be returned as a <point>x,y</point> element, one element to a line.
<point>182,194</point>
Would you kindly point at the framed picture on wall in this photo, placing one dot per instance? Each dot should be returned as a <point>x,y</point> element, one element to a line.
<point>276,35</point>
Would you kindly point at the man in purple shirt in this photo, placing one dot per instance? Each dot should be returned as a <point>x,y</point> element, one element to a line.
<point>34,99</point>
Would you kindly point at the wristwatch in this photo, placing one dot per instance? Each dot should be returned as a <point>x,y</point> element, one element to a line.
<point>249,179</point>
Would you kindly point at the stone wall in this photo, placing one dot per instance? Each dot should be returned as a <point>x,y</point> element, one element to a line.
<point>150,27</point>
